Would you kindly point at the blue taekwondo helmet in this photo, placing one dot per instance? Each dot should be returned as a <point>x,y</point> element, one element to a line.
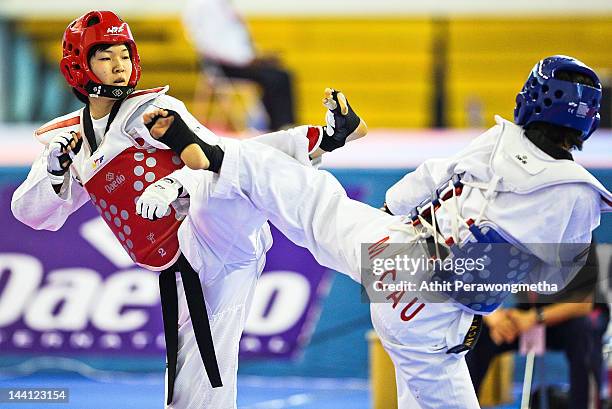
<point>544,98</point>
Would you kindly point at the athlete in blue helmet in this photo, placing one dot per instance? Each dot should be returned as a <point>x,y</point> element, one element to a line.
<point>519,181</point>
<point>513,202</point>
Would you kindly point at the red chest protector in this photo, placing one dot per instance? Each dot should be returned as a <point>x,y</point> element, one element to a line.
<point>114,191</point>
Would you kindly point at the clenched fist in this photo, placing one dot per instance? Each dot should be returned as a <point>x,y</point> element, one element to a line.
<point>60,152</point>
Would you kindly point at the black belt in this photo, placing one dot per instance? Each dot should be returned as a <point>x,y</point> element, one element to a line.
<point>199,319</point>
<point>470,338</point>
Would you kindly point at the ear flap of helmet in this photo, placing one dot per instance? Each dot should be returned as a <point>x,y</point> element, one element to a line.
<point>594,127</point>
<point>69,66</point>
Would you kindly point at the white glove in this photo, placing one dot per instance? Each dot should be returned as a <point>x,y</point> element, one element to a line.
<point>60,152</point>
<point>155,201</point>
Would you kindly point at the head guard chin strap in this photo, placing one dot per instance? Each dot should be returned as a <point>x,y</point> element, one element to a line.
<point>109,91</point>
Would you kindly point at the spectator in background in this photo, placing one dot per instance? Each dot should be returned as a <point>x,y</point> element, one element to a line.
<point>222,39</point>
<point>574,324</point>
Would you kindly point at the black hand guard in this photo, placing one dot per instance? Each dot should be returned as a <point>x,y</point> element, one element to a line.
<point>178,136</point>
<point>345,125</point>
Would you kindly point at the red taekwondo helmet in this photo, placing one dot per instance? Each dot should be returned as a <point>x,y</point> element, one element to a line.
<point>93,28</point>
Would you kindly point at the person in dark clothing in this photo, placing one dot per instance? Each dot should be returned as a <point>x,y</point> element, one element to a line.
<point>222,39</point>
<point>574,322</point>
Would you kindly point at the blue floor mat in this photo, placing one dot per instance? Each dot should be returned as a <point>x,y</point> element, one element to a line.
<point>108,390</point>
<point>147,391</point>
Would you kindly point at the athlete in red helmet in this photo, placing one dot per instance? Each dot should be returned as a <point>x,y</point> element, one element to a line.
<point>105,153</point>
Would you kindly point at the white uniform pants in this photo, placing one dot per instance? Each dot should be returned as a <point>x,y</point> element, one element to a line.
<point>228,300</point>
<point>228,294</point>
<point>311,208</point>
<point>426,375</point>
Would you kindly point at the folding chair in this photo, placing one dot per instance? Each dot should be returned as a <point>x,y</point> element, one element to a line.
<point>233,104</point>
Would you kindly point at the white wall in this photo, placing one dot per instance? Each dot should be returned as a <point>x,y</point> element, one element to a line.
<point>316,7</point>
<point>382,148</point>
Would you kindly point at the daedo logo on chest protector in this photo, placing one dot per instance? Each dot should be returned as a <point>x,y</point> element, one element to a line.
<point>114,181</point>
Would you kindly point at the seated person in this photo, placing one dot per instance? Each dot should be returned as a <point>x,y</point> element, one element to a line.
<point>569,328</point>
<point>223,41</point>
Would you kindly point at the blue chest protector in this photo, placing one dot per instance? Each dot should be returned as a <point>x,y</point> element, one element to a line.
<point>495,265</point>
